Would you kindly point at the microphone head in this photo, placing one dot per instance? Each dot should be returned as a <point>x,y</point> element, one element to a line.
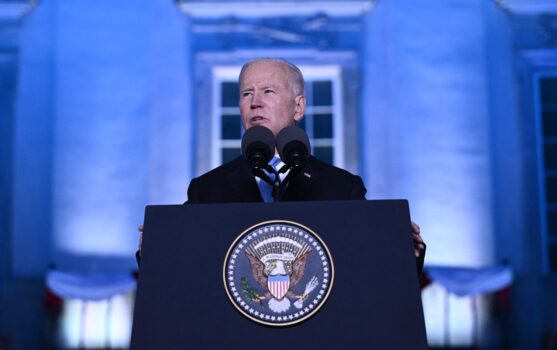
<point>293,146</point>
<point>258,146</point>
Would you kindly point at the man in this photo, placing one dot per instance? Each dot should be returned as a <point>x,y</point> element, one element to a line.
<point>272,95</point>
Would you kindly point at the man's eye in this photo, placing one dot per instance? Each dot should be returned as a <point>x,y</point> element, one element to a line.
<point>245,94</point>
<point>268,91</point>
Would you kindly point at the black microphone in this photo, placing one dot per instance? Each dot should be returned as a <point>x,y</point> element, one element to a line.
<point>258,147</point>
<point>293,147</point>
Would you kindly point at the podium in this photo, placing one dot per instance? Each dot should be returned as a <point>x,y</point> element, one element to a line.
<point>182,301</point>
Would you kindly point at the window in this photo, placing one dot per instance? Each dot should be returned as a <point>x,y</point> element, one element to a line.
<point>322,120</point>
<point>548,167</point>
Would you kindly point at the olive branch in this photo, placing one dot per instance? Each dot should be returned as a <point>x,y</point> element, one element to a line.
<point>248,290</point>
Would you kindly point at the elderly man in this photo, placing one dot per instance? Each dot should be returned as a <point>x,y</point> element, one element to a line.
<point>272,95</point>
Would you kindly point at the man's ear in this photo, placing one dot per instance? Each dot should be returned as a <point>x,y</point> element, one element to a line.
<point>300,108</point>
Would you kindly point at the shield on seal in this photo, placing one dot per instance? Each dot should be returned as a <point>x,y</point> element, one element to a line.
<point>278,285</point>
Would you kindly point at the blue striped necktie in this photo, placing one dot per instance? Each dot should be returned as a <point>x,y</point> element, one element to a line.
<point>266,189</point>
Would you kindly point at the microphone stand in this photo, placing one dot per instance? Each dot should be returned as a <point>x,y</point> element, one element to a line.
<point>277,187</point>
<point>261,170</point>
<point>276,184</point>
<point>294,170</point>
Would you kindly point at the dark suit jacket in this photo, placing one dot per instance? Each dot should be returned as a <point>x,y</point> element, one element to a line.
<point>234,182</point>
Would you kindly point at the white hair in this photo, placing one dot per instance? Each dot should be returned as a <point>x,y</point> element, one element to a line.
<point>296,73</point>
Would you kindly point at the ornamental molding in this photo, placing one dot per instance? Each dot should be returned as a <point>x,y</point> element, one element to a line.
<point>529,7</point>
<point>544,59</point>
<point>259,9</point>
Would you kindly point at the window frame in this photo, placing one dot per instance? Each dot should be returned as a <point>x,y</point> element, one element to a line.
<point>546,241</point>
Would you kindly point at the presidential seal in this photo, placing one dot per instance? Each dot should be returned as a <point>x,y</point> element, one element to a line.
<point>278,273</point>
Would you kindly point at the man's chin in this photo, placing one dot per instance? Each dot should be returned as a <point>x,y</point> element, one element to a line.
<point>264,123</point>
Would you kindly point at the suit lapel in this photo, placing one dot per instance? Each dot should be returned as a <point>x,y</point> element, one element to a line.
<point>242,184</point>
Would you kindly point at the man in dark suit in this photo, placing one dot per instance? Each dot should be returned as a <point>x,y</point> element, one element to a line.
<point>272,95</point>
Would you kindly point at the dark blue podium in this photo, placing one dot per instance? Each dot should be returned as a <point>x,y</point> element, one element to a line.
<point>375,303</point>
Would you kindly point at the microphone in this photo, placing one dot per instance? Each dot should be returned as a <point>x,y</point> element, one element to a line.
<point>258,147</point>
<point>293,147</point>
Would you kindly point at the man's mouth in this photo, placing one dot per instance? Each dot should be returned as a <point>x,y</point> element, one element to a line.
<point>256,119</point>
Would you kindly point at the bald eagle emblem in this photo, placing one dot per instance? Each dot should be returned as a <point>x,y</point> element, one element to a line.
<point>278,263</point>
<point>278,273</point>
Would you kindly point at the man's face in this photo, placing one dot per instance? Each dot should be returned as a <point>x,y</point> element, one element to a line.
<point>267,97</point>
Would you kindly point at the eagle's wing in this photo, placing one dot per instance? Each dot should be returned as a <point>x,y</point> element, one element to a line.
<point>298,269</point>
<point>257,268</point>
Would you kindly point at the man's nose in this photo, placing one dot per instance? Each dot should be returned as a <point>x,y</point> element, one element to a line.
<point>256,100</point>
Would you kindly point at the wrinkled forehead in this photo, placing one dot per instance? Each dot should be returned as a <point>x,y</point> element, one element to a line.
<point>266,72</point>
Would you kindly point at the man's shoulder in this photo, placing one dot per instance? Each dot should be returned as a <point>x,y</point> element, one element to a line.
<point>226,167</point>
<point>221,171</point>
<point>322,181</point>
<point>221,184</point>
